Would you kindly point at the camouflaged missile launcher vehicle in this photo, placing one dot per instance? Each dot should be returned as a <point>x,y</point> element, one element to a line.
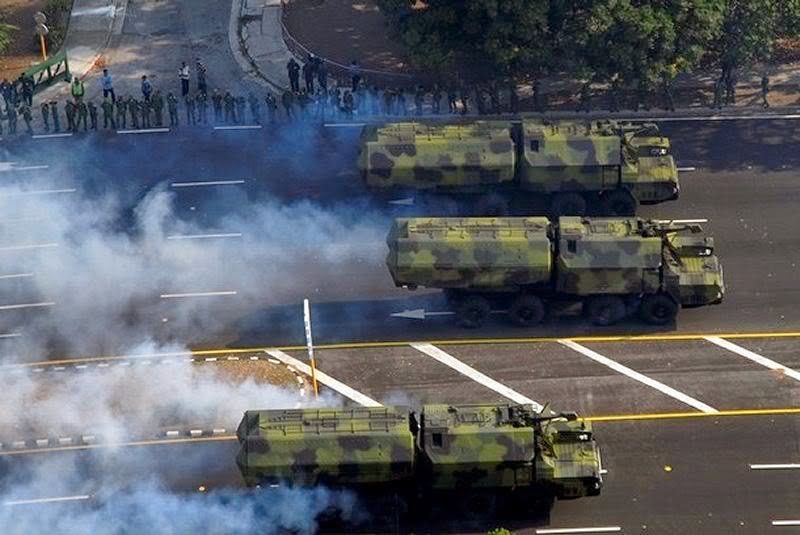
<point>481,453</point>
<point>495,165</point>
<point>611,266</point>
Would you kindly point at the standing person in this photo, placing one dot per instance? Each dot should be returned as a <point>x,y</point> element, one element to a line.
<point>272,107</point>
<point>202,107</point>
<point>765,89</point>
<point>77,89</point>
<point>419,100</point>
<point>107,81</point>
<point>287,99</point>
<point>45,109</point>
<point>241,103</point>
<point>54,114</point>
<point>183,76</point>
<point>322,75</point>
<point>719,87</point>
<point>158,108</point>
<point>202,87</point>
<point>147,88</point>
<point>464,100</point>
<point>92,115</point>
<point>730,87</point>
<point>585,98</point>
<point>216,100</point>
<point>293,69</point>
<point>25,111</point>
<point>108,113</point>
<point>5,90</point>
<point>191,119</point>
<point>122,113</point>
<point>133,109</point>
<point>436,103</point>
<point>669,100</point>
<point>452,100</point>
<point>83,115</point>
<point>11,113</point>
<point>355,74</point>
<point>255,108</point>
<point>322,104</point>
<point>613,96</point>
<point>69,109</point>
<point>172,107</point>
<point>308,75</point>
<point>230,102</point>
<point>27,89</point>
<point>147,107</point>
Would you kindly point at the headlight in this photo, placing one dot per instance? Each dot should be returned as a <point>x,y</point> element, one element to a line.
<point>659,151</point>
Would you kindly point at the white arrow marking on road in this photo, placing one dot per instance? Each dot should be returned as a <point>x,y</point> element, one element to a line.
<point>755,357</point>
<point>686,169</point>
<point>403,202</point>
<point>47,500</point>
<point>789,466</point>
<point>207,183</point>
<point>633,374</point>
<point>325,379</point>
<point>26,305</point>
<point>204,236</point>
<point>197,294</point>
<point>465,369</point>
<point>419,314</point>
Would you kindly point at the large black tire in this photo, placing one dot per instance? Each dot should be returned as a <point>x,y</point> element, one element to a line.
<point>658,309</point>
<point>478,506</point>
<point>473,311</point>
<point>566,204</point>
<point>492,205</point>
<point>604,310</point>
<point>526,311</point>
<point>619,202</point>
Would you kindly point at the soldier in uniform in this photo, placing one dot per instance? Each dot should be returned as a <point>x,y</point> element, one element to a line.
<point>585,98</point>
<point>613,96</point>
<point>230,102</point>
<point>347,101</point>
<point>419,100</point>
<point>45,109</point>
<point>669,100</point>
<point>202,108</point>
<point>172,107</point>
<point>158,108</point>
<point>69,109</point>
<point>387,102</point>
<point>272,107</point>
<point>11,113</point>
<point>287,99</point>
<point>146,109</point>
<point>92,114</point>
<point>401,101</point>
<point>764,91</point>
<point>133,109</point>
<point>436,100</point>
<point>25,111</point>
<point>241,104</point>
<point>216,100</point>
<point>108,113</point>
<point>54,114</point>
<point>191,119</point>
<point>255,108</point>
<point>122,112</point>
<point>83,116</point>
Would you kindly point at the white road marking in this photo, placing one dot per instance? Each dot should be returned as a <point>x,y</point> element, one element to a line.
<point>38,192</point>
<point>788,466</point>
<point>11,503</point>
<point>10,335</point>
<point>27,305</point>
<point>218,431</point>
<point>240,127</point>
<point>449,360</point>
<point>29,247</point>
<point>7,167</point>
<point>172,434</point>
<point>755,357</point>
<point>786,522</point>
<point>145,131</point>
<point>344,125</point>
<point>556,531</point>
<point>686,169</point>
<point>206,183</point>
<point>197,294</point>
<point>325,379</point>
<point>714,118</point>
<point>211,359</point>
<point>204,236</point>
<point>616,366</point>
<point>16,276</point>
<point>49,136</point>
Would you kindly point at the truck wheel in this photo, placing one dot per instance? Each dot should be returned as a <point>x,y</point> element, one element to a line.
<point>568,204</point>
<point>478,506</point>
<point>658,309</point>
<point>526,311</point>
<point>619,202</point>
<point>604,310</point>
<point>473,311</point>
<point>491,205</point>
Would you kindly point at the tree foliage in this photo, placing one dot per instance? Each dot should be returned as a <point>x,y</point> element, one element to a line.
<point>597,39</point>
<point>6,30</point>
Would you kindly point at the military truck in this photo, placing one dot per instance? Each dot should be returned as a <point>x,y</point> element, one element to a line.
<point>500,167</point>
<point>472,456</point>
<point>611,266</point>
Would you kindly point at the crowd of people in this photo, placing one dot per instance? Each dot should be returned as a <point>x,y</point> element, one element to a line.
<point>318,98</point>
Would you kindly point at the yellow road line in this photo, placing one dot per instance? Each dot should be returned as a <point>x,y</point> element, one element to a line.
<point>172,441</point>
<point>688,415</point>
<point>691,337</point>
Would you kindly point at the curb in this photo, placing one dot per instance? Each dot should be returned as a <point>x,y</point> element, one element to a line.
<point>240,53</point>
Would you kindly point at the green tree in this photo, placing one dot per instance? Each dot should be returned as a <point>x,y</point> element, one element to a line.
<point>5,35</point>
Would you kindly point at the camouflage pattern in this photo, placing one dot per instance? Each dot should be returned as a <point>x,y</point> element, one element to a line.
<point>446,448</point>
<point>573,257</point>
<point>536,156</point>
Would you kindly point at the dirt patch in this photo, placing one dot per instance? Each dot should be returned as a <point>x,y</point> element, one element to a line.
<point>342,30</point>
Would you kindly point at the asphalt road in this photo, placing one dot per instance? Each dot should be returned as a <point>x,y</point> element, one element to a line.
<point>744,183</point>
